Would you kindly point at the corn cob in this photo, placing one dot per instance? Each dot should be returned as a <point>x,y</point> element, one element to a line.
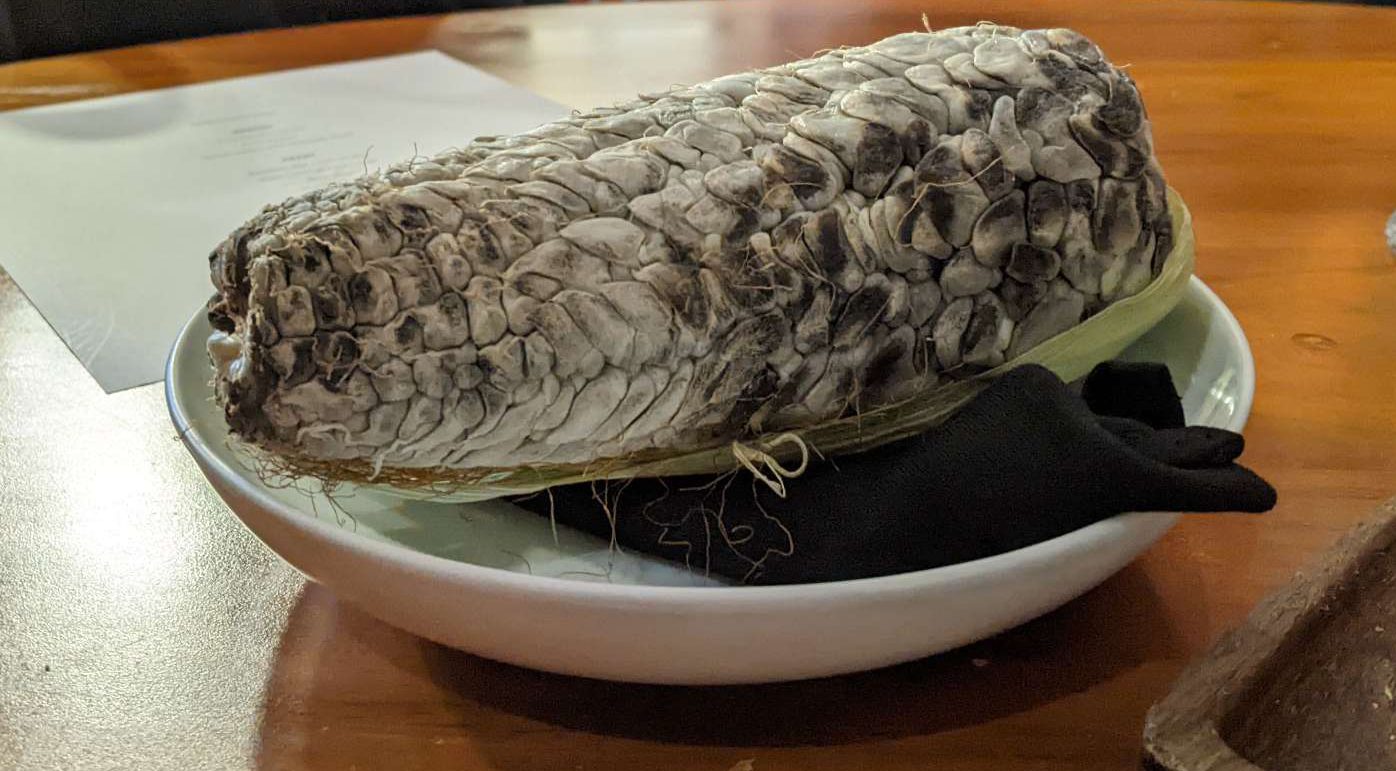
<point>768,249</point>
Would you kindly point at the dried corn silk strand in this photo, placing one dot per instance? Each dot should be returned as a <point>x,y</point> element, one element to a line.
<point>766,251</point>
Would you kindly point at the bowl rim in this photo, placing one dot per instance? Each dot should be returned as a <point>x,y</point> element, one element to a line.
<point>555,588</point>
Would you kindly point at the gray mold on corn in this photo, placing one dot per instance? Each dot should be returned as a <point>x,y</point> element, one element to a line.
<point>769,249</point>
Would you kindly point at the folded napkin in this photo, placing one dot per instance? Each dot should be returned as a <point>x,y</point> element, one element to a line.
<point>1027,460</point>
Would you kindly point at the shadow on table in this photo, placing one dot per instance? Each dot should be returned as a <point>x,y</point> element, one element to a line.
<point>1114,628</point>
<point>345,686</point>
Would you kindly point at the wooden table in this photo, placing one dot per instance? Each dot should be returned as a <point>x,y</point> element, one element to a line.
<point>142,627</point>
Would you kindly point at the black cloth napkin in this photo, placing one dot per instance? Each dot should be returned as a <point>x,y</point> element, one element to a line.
<point>1027,460</point>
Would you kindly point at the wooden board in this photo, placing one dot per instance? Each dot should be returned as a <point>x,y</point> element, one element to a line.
<point>1308,681</point>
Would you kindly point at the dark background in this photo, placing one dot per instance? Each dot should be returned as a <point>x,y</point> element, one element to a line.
<point>34,28</point>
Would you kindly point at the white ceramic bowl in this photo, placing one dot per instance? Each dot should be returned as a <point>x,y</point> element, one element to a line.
<point>495,581</point>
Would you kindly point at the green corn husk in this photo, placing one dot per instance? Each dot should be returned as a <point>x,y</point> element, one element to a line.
<point>1070,355</point>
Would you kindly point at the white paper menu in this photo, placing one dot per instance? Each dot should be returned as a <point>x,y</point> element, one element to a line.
<point>109,207</point>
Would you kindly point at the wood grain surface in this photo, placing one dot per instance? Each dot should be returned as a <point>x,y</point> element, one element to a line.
<point>142,627</point>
